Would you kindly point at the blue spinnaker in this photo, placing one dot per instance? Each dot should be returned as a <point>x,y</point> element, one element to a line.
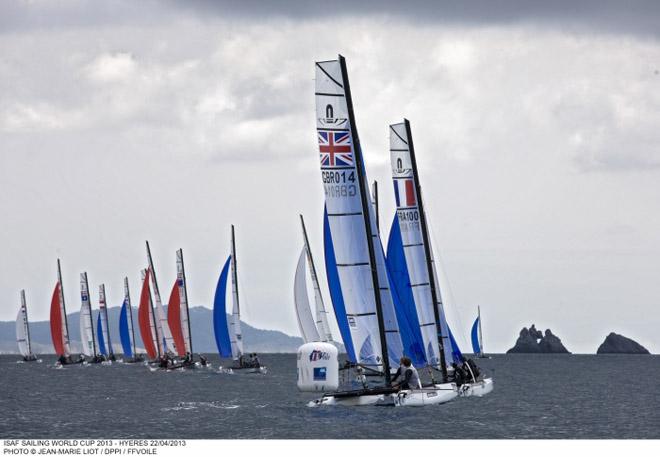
<point>220,327</point>
<point>404,302</point>
<point>455,350</point>
<point>124,334</point>
<point>335,289</point>
<point>99,333</point>
<point>476,347</point>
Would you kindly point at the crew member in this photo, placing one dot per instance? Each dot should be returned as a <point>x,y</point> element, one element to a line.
<point>409,373</point>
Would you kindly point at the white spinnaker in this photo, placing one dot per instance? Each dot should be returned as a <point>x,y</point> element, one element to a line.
<point>103,311</point>
<point>161,317</point>
<point>306,324</point>
<point>65,325</point>
<point>408,218</point>
<point>343,198</point>
<point>235,323</point>
<point>22,330</point>
<point>86,327</point>
<point>183,297</point>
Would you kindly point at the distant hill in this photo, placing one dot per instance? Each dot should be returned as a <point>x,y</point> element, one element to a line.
<point>201,321</point>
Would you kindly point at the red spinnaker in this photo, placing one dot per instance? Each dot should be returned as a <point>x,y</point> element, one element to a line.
<point>174,320</point>
<point>144,312</point>
<point>56,321</point>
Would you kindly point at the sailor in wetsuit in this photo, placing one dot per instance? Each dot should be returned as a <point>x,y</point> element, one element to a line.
<point>409,374</point>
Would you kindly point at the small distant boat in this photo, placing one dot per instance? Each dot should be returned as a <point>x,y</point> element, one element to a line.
<point>126,329</point>
<point>87,338</point>
<point>23,332</point>
<point>147,320</point>
<point>103,330</point>
<point>477,338</point>
<point>311,329</point>
<point>228,337</point>
<point>59,327</point>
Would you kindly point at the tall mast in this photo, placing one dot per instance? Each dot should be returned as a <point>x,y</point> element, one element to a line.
<point>27,322</point>
<point>234,265</point>
<point>67,348</point>
<point>427,252</point>
<point>367,222</point>
<point>185,294</point>
<point>105,313</point>
<point>127,295</point>
<point>375,196</point>
<point>481,340</point>
<point>91,321</point>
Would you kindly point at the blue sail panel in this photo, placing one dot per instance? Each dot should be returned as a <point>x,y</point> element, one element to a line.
<point>476,347</point>
<point>99,334</point>
<point>124,334</point>
<point>455,350</point>
<point>220,328</point>
<point>404,302</point>
<point>335,289</point>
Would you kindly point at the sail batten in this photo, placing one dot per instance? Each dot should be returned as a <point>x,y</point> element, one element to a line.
<point>146,319</point>
<point>87,338</point>
<point>59,329</point>
<point>23,329</point>
<point>306,325</point>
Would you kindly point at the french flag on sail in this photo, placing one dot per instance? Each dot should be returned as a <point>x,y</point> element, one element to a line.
<point>404,192</point>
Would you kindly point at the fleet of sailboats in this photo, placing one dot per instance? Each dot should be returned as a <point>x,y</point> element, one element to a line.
<point>388,304</point>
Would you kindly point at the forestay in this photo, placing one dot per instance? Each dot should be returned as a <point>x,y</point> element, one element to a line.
<point>235,323</point>
<point>340,155</point>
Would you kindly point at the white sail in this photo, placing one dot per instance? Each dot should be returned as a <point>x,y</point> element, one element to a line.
<point>408,218</point>
<point>235,322</point>
<point>183,296</point>
<point>161,318</point>
<point>103,312</point>
<point>22,329</point>
<point>339,159</point>
<point>306,324</point>
<point>86,326</point>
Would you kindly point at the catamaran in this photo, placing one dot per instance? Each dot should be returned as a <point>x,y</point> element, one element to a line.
<point>374,331</point>
<point>103,329</point>
<point>411,260</point>
<point>178,316</point>
<point>126,332</point>
<point>87,338</point>
<point>147,321</point>
<point>23,333</point>
<point>228,337</point>
<point>311,329</point>
<point>59,327</point>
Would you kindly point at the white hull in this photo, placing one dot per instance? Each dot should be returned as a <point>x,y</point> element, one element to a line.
<point>361,400</point>
<point>476,389</point>
<point>440,393</point>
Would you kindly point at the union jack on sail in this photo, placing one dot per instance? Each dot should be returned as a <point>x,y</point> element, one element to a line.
<point>335,148</point>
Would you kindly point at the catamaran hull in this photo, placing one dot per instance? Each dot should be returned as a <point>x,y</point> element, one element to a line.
<point>440,393</point>
<point>476,389</point>
<point>358,400</point>
<point>252,370</point>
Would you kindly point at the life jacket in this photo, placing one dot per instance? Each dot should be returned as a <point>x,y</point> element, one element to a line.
<point>414,382</point>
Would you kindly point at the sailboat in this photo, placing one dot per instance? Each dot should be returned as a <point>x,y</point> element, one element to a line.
<point>228,337</point>
<point>311,329</point>
<point>178,316</point>
<point>359,280</point>
<point>103,329</point>
<point>59,327</point>
<point>87,338</point>
<point>126,329</point>
<point>476,337</point>
<point>23,333</point>
<point>167,342</point>
<point>410,256</point>
<point>147,320</point>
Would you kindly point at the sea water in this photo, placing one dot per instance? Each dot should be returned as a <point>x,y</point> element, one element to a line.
<point>535,396</point>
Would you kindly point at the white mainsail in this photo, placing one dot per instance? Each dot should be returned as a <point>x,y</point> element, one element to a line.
<point>306,324</point>
<point>86,323</point>
<point>161,318</point>
<point>23,329</point>
<point>183,297</point>
<point>346,200</point>
<point>408,217</point>
<point>235,322</point>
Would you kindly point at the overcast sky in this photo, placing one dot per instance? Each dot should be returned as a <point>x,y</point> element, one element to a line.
<point>537,130</point>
